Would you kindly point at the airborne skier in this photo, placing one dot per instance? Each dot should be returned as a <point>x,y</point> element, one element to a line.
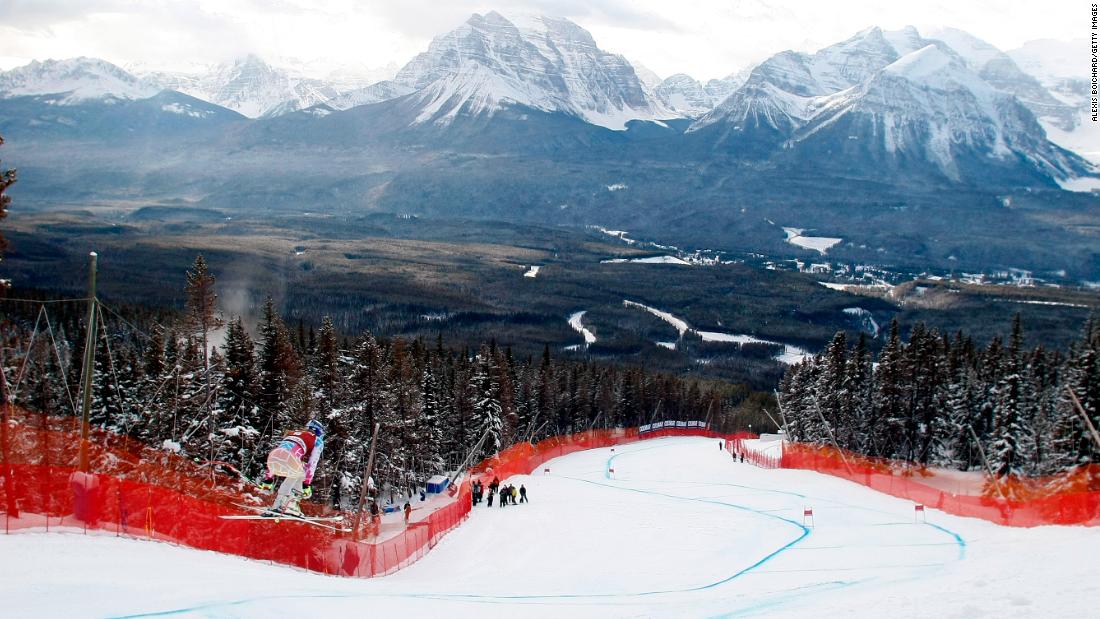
<point>295,460</point>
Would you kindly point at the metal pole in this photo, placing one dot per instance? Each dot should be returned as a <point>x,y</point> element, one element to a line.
<point>1084,415</point>
<point>771,418</point>
<point>89,365</point>
<point>366,480</point>
<point>989,469</point>
<point>469,456</point>
<point>832,437</point>
<point>779,405</point>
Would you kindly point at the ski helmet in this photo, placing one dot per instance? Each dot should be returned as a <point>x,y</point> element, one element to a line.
<point>315,427</point>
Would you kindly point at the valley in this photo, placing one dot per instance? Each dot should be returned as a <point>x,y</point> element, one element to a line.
<point>468,281</point>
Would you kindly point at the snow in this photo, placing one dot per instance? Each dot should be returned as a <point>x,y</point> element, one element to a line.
<point>678,530</point>
<point>1082,184</point>
<point>78,79</point>
<point>1050,303</point>
<point>790,355</point>
<point>820,244</point>
<point>681,326</point>
<point>533,271</point>
<point>865,317</point>
<point>184,110</point>
<point>616,187</point>
<point>649,260</point>
<point>578,326</point>
<point>492,62</point>
<point>1084,139</point>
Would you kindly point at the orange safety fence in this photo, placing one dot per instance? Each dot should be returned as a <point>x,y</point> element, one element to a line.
<point>138,491</point>
<point>1069,499</point>
<point>736,446</point>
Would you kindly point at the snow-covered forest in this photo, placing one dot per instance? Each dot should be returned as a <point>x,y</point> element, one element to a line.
<point>152,382</point>
<point>941,400</point>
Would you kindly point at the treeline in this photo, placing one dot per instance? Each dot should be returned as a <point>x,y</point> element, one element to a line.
<point>158,382</point>
<point>943,401</point>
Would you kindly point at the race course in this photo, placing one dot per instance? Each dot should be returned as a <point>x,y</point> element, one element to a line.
<point>677,529</point>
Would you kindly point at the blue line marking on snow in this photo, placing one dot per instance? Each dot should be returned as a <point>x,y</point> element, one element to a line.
<point>479,598</point>
<point>958,538</point>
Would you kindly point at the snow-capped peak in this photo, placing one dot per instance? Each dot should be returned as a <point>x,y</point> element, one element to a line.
<point>74,80</point>
<point>545,63</point>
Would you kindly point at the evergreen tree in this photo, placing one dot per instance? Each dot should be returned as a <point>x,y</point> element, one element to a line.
<point>7,179</point>
<point>202,315</point>
<point>280,371</point>
<point>487,415</point>
<point>241,422</point>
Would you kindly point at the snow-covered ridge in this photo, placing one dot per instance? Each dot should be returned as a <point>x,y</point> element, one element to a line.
<point>76,80</point>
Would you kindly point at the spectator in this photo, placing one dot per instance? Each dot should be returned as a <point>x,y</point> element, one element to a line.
<point>522,494</point>
<point>408,512</point>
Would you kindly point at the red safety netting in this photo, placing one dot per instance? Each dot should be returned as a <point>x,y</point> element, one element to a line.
<point>736,446</point>
<point>1073,498</point>
<point>523,458</point>
<point>136,491</point>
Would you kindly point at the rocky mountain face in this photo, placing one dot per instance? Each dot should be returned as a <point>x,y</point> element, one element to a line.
<point>893,99</point>
<point>691,98</point>
<point>1001,72</point>
<point>546,64</point>
<point>1055,64</point>
<point>250,87</point>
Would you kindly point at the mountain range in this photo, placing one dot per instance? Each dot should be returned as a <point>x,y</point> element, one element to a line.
<point>527,119</point>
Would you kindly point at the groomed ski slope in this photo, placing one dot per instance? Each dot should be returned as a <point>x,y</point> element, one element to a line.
<point>679,529</point>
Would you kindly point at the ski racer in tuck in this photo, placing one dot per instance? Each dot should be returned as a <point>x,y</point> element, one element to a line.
<point>295,460</point>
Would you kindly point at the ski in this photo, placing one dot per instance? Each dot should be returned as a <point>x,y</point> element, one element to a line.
<point>266,511</point>
<point>317,522</point>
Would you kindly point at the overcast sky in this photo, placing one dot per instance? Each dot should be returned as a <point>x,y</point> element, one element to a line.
<point>704,38</point>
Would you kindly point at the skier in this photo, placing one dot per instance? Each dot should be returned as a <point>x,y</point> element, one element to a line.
<point>295,460</point>
<point>522,494</point>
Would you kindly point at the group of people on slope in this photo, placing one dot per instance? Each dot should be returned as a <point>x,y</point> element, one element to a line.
<point>295,461</point>
<point>507,494</point>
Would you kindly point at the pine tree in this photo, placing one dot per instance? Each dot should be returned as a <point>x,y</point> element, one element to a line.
<point>7,179</point>
<point>832,388</point>
<point>890,399</point>
<point>856,403</point>
<point>202,315</point>
<point>487,415</point>
<point>280,371</point>
<point>429,438</point>
<point>241,421</point>
<point>1005,450</point>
